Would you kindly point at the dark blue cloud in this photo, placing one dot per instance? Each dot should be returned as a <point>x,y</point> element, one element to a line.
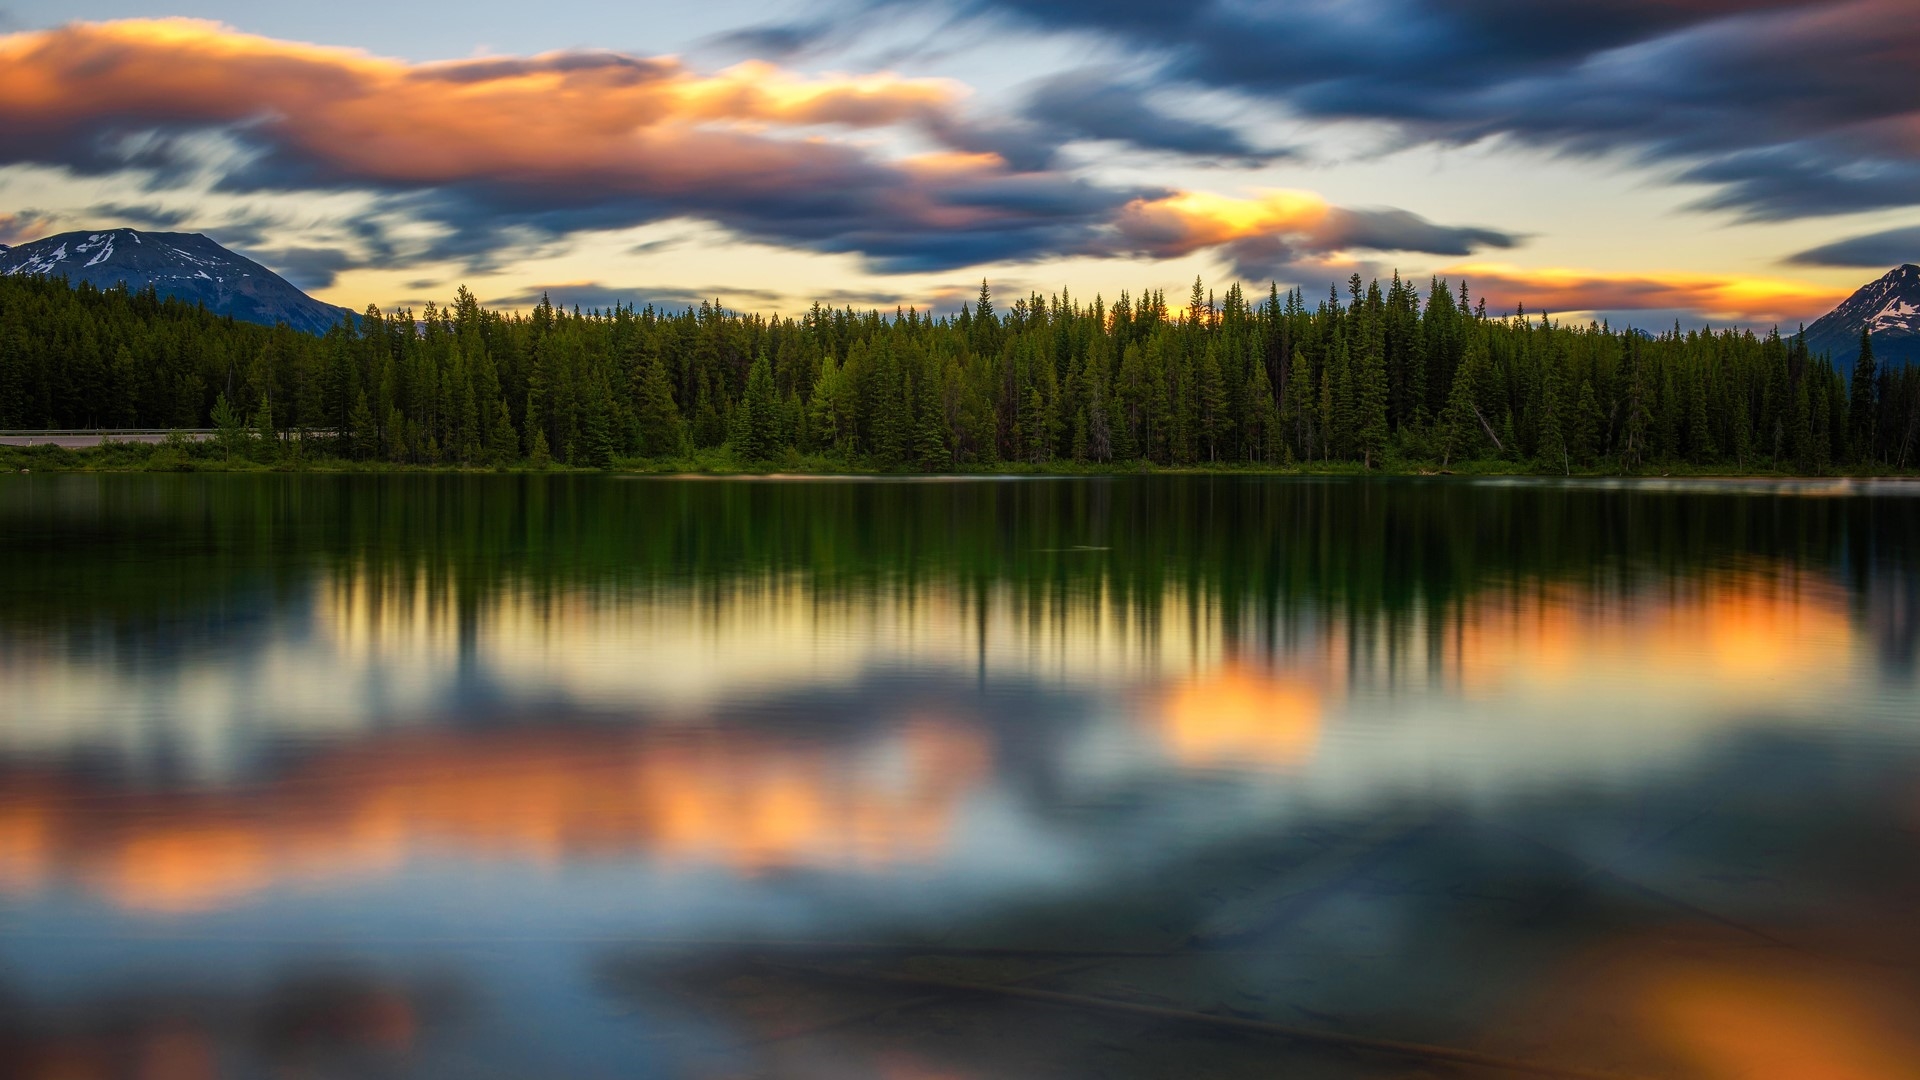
<point>1893,247</point>
<point>1727,89</point>
<point>308,268</point>
<point>1092,104</point>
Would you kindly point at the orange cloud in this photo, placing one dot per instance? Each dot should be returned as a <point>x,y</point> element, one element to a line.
<point>569,141</point>
<point>1187,221</point>
<point>1735,299</point>
<point>553,115</point>
<point>22,227</point>
<point>1279,233</point>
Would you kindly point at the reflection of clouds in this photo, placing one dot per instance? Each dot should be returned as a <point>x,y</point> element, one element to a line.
<point>1682,1002</point>
<point>736,799</point>
<point>376,652</point>
<point>1771,1019</point>
<point>1730,633</point>
<point>1238,716</point>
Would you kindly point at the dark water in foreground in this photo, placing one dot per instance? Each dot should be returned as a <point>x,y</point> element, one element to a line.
<point>594,777</point>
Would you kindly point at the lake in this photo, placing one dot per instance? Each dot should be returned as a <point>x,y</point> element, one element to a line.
<point>592,776</point>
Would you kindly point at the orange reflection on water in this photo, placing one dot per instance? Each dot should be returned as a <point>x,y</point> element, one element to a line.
<point>534,796</point>
<point>1239,715</point>
<point>1735,1022</point>
<point>1733,630</point>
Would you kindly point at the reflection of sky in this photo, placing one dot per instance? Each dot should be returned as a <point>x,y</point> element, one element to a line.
<point>335,802</point>
<point>762,724</point>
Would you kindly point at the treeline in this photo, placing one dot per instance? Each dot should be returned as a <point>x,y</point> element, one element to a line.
<point>1377,375</point>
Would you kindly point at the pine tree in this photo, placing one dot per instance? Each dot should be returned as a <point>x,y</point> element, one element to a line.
<point>1262,428</point>
<point>1297,408</point>
<point>502,442</point>
<point>230,429</point>
<point>1370,406</point>
<point>1098,412</point>
<point>1216,423</point>
<point>598,423</point>
<point>756,418</point>
<point>1552,445</point>
<point>364,430</point>
<point>1701,447</point>
<point>1583,438</point>
<point>1460,434</point>
<point>929,438</point>
<point>1861,403</point>
<point>266,439</point>
<point>659,430</point>
<point>1344,430</point>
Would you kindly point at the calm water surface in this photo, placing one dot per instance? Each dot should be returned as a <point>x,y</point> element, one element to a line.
<point>596,777</point>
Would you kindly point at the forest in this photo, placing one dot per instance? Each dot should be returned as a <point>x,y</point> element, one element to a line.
<point>1383,377</point>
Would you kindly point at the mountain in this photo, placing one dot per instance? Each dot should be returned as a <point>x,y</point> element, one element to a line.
<point>1891,306</point>
<point>184,265</point>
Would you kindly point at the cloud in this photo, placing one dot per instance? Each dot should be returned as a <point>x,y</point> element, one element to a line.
<point>1717,297</point>
<point>140,216</point>
<point>24,226</point>
<point>308,268</point>
<point>1273,230</point>
<point>1093,104</point>
<point>1893,247</point>
<point>598,296</point>
<point>1725,88</point>
<point>500,155</point>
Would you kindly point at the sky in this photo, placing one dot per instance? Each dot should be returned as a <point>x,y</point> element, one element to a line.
<point>1730,162</point>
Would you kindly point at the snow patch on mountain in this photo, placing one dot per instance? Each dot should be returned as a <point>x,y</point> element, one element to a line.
<point>1889,308</point>
<point>187,266</point>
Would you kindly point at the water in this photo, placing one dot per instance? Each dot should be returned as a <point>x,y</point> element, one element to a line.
<point>581,776</point>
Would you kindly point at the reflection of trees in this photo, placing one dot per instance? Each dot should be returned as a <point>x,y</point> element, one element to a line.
<point>1271,558</point>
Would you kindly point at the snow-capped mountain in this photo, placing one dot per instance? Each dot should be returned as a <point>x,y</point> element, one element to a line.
<point>1890,307</point>
<point>186,265</point>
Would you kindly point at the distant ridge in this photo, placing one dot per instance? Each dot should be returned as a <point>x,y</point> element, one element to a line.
<point>1891,306</point>
<point>184,265</point>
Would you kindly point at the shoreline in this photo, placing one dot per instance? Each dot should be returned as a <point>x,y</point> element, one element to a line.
<point>159,458</point>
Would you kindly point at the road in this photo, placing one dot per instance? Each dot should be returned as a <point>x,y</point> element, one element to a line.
<point>74,440</point>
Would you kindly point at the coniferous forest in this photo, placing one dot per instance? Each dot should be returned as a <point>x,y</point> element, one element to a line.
<point>1379,377</point>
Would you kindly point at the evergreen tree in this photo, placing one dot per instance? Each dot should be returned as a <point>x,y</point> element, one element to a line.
<point>1370,406</point>
<point>364,432</point>
<point>1216,423</point>
<point>1861,404</point>
<point>1583,439</point>
<point>266,438</point>
<point>1459,421</point>
<point>1264,438</point>
<point>756,418</point>
<point>929,438</point>
<point>230,429</point>
<point>660,432</point>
